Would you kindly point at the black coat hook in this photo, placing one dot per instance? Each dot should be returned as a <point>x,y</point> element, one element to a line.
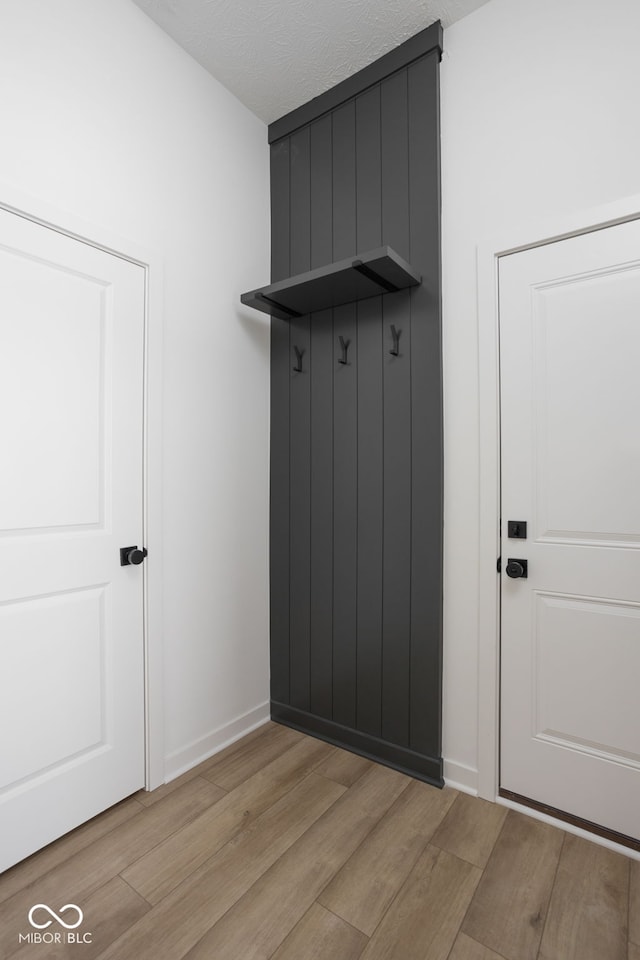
<point>299,355</point>
<point>344,344</point>
<point>395,350</point>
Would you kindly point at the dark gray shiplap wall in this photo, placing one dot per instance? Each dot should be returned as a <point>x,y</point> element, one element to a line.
<point>356,450</point>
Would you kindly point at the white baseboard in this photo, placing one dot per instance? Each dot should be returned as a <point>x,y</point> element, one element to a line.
<point>194,753</point>
<point>461,777</point>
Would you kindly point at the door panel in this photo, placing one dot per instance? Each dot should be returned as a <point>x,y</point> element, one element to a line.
<point>71,618</point>
<point>48,634</point>
<point>50,431</point>
<point>568,644</point>
<point>587,392</point>
<point>570,395</point>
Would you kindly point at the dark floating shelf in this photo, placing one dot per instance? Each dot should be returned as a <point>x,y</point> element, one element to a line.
<point>368,275</point>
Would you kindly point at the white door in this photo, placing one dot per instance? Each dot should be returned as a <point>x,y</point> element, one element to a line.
<point>71,454</point>
<point>570,408</point>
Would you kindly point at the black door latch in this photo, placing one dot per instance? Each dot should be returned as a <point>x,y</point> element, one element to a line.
<point>131,555</point>
<point>517,569</point>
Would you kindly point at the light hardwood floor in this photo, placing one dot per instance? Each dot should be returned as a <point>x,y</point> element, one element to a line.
<point>287,848</point>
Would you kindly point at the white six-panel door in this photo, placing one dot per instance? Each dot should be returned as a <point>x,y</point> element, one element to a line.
<point>570,408</point>
<point>71,488</point>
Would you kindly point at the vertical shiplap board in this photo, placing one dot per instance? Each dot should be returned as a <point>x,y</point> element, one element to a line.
<point>300,517</point>
<point>300,431</point>
<point>370,438</point>
<point>395,162</point>
<point>345,427</point>
<point>300,201</point>
<point>322,360</point>
<point>396,593</point>
<point>344,181</point>
<point>370,512</point>
<point>345,512</point>
<point>279,478</point>
<point>426,405</point>
<point>368,148</point>
<point>322,368</point>
<point>321,147</point>
<point>396,622</point>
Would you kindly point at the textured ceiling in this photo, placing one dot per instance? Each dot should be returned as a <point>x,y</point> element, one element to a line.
<point>274,55</point>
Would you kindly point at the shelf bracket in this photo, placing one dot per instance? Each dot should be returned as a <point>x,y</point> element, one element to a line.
<point>375,277</point>
<point>278,306</point>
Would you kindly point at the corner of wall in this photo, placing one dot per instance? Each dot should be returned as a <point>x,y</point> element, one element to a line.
<point>201,749</point>
<point>461,777</point>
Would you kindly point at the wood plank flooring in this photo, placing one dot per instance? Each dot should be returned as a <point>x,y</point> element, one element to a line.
<point>283,847</point>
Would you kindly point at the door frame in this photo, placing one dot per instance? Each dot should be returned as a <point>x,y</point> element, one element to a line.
<point>96,235</point>
<point>530,234</point>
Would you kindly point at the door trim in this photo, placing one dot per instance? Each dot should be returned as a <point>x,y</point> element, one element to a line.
<point>532,234</point>
<point>96,235</point>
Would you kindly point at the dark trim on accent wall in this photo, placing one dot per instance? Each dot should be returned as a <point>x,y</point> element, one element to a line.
<point>412,49</point>
<point>403,759</point>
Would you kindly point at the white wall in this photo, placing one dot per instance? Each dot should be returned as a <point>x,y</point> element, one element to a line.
<point>105,117</point>
<point>539,118</point>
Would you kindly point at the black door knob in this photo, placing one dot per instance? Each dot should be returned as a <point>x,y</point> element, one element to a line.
<point>131,555</point>
<point>516,569</point>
